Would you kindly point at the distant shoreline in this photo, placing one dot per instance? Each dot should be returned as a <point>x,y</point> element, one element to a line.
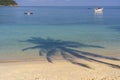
<point>9,5</point>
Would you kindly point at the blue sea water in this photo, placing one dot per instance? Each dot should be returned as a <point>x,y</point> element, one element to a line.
<point>78,24</point>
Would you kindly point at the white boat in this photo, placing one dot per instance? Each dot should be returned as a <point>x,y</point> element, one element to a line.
<point>98,10</point>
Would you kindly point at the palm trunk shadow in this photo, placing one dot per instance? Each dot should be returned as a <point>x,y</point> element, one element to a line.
<point>68,58</point>
<point>76,54</point>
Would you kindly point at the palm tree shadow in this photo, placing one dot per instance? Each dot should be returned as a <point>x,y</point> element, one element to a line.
<point>67,49</point>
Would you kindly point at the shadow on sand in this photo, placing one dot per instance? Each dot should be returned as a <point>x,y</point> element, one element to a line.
<point>68,51</point>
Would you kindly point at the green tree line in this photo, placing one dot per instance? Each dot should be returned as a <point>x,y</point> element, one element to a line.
<point>8,3</point>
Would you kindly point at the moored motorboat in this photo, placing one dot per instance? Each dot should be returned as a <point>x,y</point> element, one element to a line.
<point>28,13</point>
<point>98,10</point>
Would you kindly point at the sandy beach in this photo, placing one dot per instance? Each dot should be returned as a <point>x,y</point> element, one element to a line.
<point>59,70</point>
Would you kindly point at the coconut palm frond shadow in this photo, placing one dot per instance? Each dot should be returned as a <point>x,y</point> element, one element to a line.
<point>67,49</point>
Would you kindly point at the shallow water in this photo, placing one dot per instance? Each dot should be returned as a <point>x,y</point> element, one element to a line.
<point>77,24</point>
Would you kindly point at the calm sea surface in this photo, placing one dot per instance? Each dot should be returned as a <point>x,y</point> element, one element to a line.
<point>77,24</point>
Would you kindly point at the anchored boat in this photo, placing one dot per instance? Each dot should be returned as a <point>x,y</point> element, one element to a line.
<point>28,13</point>
<point>98,10</point>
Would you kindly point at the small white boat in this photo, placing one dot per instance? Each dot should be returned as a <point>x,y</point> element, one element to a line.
<point>98,10</point>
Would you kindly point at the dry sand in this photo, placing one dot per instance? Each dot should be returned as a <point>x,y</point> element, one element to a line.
<point>58,70</point>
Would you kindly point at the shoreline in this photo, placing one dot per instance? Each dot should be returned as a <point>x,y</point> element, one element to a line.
<point>56,57</point>
<point>35,57</point>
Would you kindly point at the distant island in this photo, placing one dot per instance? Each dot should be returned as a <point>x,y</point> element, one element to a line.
<point>8,3</point>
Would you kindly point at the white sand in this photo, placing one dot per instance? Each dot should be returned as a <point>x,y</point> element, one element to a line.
<point>58,70</point>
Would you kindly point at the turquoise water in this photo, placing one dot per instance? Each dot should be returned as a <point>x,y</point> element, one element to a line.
<point>78,24</point>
